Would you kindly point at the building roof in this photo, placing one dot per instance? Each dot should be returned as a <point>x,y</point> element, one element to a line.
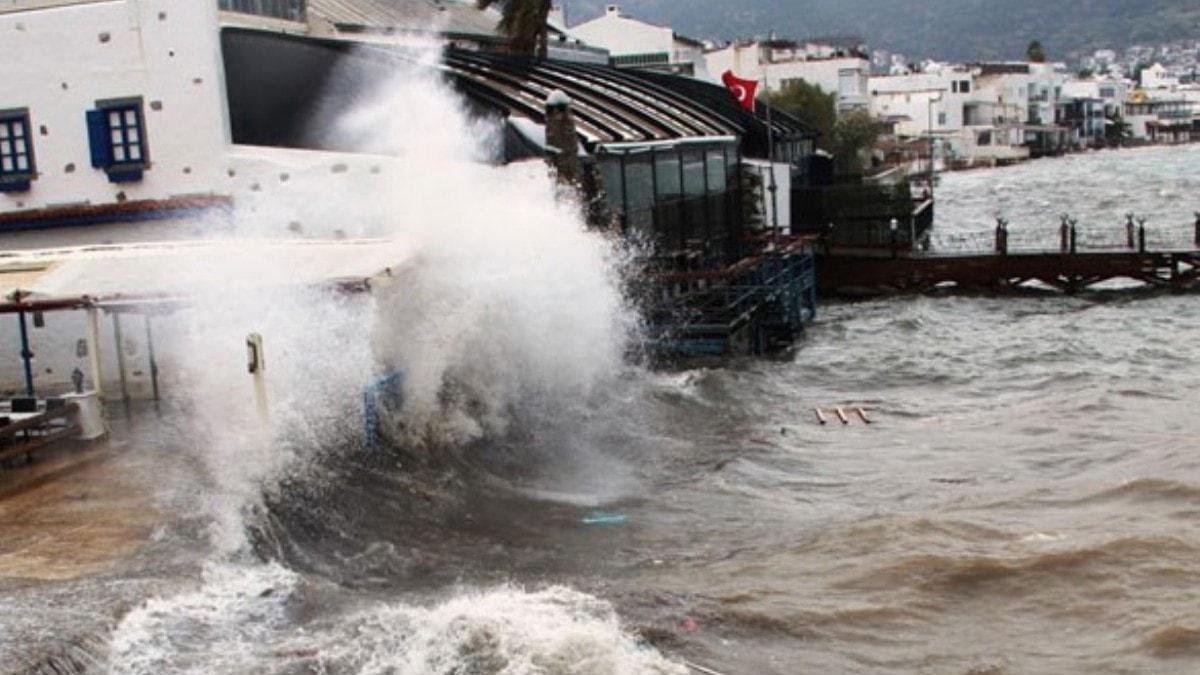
<point>613,105</point>
<point>1014,68</point>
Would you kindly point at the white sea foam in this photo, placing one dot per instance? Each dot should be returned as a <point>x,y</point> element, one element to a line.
<point>239,621</point>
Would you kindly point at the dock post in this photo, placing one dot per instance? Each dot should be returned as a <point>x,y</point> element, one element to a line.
<point>1141,235</point>
<point>1130,230</point>
<point>1074,236</point>
<point>1197,240</point>
<point>1064,233</point>
<point>93,326</point>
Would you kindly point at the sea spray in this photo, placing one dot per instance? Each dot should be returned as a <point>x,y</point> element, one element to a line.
<point>503,307</point>
<point>245,620</point>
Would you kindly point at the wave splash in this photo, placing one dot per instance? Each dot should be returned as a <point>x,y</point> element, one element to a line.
<point>243,620</point>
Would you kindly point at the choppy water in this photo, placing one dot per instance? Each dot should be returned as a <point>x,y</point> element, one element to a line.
<point>1027,501</point>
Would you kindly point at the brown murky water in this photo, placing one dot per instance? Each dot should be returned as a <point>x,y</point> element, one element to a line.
<point>1026,501</point>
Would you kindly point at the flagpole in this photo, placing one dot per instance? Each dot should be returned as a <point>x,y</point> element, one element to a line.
<point>774,187</point>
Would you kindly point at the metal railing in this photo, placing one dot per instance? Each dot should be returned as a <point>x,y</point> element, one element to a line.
<point>1136,235</point>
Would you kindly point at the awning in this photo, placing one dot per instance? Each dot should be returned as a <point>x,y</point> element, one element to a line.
<point>147,273</point>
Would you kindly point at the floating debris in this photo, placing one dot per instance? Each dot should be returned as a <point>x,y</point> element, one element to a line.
<point>843,415</point>
<point>605,519</point>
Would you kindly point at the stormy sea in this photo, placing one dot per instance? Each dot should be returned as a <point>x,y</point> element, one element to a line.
<point>1025,500</point>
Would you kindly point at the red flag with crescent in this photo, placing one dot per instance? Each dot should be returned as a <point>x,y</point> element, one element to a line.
<point>742,90</point>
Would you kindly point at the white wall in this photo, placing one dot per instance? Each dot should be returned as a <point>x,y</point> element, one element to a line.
<point>624,36</point>
<point>846,77</point>
<point>912,95</point>
<point>60,60</point>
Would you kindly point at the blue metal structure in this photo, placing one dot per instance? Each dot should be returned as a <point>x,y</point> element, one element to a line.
<point>757,306</point>
<point>387,393</point>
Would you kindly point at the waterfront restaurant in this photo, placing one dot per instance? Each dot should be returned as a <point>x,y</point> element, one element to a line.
<point>162,117</point>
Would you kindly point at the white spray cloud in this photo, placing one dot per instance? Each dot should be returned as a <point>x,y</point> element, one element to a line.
<point>506,301</point>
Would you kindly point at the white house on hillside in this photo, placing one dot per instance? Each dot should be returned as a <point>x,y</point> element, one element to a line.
<point>637,44</point>
<point>843,70</point>
<point>1158,77</point>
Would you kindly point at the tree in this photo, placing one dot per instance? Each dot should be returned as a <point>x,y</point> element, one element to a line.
<point>1116,130</point>
<point>812,106</point>
<point>1036,53</point>
<point>855,132</point>
<point>524,22</point>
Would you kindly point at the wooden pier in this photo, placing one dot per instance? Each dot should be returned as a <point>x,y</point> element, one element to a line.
<point>1069,259</point>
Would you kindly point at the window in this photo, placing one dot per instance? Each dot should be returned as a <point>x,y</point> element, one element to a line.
<point>667,175</point>
<point>288,10</point>
<point>17,169</point>
<point>117,132</point>
<point>941,119</point>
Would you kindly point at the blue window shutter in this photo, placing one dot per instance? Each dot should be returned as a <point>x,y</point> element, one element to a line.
<point>99,139</point>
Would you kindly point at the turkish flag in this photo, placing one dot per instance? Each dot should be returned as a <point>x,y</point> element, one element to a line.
<point>742,90</point>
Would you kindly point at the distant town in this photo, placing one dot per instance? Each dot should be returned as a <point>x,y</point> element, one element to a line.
<point>960,115</point>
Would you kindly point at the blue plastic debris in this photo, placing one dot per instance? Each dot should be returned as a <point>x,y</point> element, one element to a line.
<point>605,519</point>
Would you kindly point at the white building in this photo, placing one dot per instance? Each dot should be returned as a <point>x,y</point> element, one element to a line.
<point>131,121</point>
<point>637,44</point>
<point>1158,76</point>
<point>839,69</point>
<point>965,111</point>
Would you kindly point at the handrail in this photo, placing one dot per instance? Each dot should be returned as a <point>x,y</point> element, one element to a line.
<point>1066,239</point>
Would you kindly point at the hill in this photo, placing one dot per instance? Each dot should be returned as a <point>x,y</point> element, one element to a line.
<point>947,29</point>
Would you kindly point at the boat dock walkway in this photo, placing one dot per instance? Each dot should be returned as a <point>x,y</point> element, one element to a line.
<point>1069,259</point>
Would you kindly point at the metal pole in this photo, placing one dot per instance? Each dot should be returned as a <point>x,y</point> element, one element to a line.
<point>26,354</point>
<point>771,157</point>
<point>93,320</point>
<point>116,320</point>
<point>153,361</point>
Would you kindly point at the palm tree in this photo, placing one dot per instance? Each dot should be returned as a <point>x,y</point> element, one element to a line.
<point>524,22</point>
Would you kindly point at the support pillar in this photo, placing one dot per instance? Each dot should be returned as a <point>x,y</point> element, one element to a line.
<point>153,361</point>
<point>93,326</point>
<point>116,320</point>
<point>26,353</point>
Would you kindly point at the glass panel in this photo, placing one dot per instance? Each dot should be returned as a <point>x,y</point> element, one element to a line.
<point>610,172</point>
<point>118,138</point>
<point>667,163</point>
<point>114,119</point>
<point>639,182</point>
<point>131,118</point>
<point>133,135</point>
<point>716,171</point>
<point>3,130</point>
<point>119,153</point>
<point>6,147</point>
<point>6,164</point>
<point>20,145</point>
<point>693,173</point>
<point>18,128</point>
<point>22,162</point>
<point>135,153</point>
